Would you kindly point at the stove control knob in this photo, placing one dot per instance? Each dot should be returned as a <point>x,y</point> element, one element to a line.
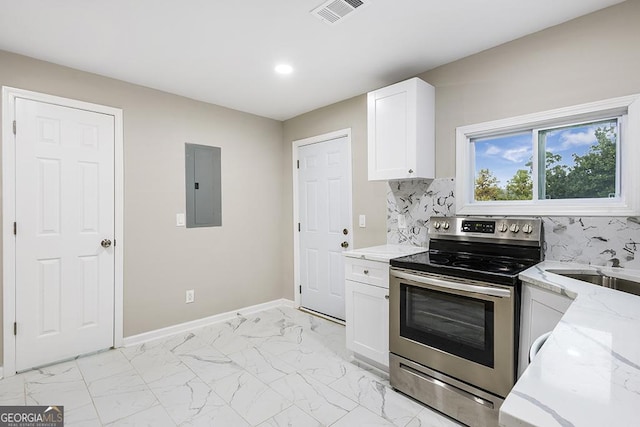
<point>503,227</point>
<point>527,228</point>
<point>514,228</point>
<point>445,225</point>
<point>436,225</point>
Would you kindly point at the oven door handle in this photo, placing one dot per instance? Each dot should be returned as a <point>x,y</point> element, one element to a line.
<point>483,290</point>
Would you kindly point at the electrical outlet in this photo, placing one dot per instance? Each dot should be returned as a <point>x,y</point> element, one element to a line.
<point>191,296</point>
<point>402,221</point>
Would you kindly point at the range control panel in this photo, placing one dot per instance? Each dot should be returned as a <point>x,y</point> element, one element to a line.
<point>511,228</point>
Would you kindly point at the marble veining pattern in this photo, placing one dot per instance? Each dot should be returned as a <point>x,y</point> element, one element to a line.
<point>605,241</point>
<point>279,367</point>
<point>602,241</point>
<point>588,371</point>
<point>417,200</point>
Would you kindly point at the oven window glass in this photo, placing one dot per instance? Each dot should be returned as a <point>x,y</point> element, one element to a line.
<point>455,324</point>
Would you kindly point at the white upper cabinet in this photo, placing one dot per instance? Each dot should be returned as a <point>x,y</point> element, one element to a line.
<point>401,131</point>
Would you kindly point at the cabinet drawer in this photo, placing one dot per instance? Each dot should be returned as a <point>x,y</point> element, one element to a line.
<point>364,271</point>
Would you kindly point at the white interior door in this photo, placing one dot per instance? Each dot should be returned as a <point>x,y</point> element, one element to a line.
<point>64,209</point>
<point>324,211</point>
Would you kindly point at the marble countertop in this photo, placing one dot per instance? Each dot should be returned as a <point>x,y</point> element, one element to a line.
<point>384,252</point>
<point>588,371</point>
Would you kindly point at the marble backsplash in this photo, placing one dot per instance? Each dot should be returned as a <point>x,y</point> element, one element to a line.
<point>607,241</point>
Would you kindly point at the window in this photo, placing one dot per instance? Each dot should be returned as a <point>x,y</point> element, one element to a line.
<point>571,161</point>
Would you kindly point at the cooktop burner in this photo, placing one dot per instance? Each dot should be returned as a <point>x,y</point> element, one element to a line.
<point>487,267</point>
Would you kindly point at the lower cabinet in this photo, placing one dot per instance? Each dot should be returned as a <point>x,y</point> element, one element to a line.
<point>541,312</point>
<point>367,322</point>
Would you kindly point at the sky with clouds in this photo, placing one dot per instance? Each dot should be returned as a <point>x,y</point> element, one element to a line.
<point>504,155</point>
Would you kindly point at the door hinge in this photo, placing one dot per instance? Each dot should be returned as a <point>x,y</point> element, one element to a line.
<point>298,226</point>
<point>15,328</point>
<point>14,127</point>
<point>14,131</point>
<point>114,242</point>
<point>15,228</point>
<point>300,288</point>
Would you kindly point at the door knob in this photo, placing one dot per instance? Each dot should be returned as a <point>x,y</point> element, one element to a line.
<point>344,244</point>
<point>105,243</point>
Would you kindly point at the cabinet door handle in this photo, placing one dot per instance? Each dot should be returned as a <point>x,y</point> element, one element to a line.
<point>410,170</point>
<point>386,297</point>
<point>366,272</point>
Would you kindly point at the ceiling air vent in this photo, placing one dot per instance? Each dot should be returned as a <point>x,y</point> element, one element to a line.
<point>335,11</point>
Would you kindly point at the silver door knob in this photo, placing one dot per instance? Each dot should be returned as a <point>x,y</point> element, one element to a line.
<point>344,244</point>
<point>105,243</point>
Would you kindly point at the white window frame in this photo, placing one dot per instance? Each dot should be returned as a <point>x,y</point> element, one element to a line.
<point>628,204</point>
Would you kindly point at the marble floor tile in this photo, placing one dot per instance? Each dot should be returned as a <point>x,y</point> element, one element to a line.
<point>210,364</point>
<point>268,325</point>
<point>184,343</point>
<point>380,399</point>
<point>430,418</point>
<point>185,396</point>
<point>361,417</point>
<point>120,396</point>
<point>60,384</point>
<point>324,367</point>
<point>292,416</point>
<point>250,397</point>
<point>60,372</point>
<point>12,391</point>
<point>157,363</point>
<point>262,364</point>
<point>279,367</point>
<point>103,365</point>
<point>135,350</point>
<point>154,416</point>
<point>296,316</point>
<point>223,336</point>
<point>286,339</point>
<point>84,416</point>
<point>316,399</point>
<point>223,416</point>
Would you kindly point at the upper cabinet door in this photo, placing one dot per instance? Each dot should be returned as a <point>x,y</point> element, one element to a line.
<point>401,131</point>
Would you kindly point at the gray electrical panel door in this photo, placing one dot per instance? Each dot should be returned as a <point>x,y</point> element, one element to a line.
<point>203,181</point>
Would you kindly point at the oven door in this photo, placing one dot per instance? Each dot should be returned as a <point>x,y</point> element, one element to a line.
<point>462,328</point>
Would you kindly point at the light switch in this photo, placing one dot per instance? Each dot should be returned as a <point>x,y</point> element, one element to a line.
<point>180,220</point>
<point>362,221</point>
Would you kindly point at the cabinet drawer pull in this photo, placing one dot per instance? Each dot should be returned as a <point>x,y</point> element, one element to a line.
<point>386,297</point>
<point>366,272</point>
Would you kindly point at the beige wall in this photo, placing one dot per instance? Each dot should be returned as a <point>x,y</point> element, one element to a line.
<point>229,267</point>
<point>369,198</point>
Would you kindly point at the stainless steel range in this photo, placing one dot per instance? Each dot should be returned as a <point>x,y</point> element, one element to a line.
<point>454,314</point>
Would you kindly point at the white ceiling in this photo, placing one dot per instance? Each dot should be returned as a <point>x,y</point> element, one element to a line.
<point>224,52</point>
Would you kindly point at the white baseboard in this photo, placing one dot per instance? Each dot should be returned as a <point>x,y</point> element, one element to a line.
<point>188,326</point>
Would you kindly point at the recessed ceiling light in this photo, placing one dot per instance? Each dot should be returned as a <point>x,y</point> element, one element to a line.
<point>284,69</point>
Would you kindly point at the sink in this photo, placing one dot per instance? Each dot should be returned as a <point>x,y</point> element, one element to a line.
<point>624,285</point>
